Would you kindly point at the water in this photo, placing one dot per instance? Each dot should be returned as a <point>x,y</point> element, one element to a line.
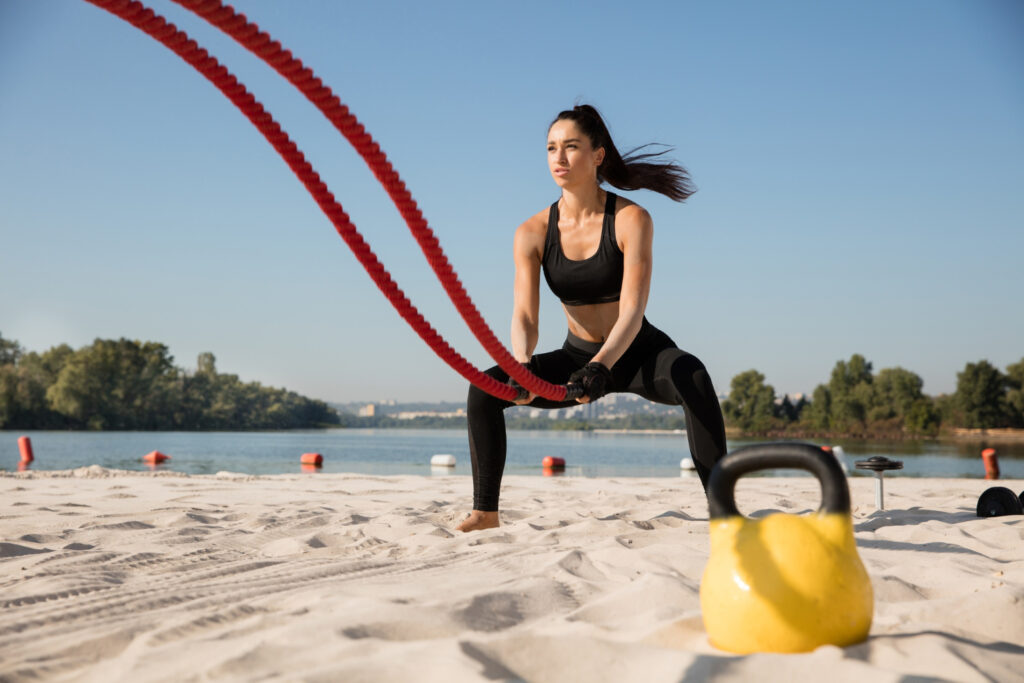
<point>400,451</point>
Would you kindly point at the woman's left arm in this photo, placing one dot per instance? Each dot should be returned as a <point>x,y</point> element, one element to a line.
<point>635,230</point>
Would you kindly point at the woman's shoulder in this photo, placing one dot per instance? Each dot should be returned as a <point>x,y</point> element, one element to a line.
<point>630,213</point>
<point>531,235</point>
<point>537,224</point>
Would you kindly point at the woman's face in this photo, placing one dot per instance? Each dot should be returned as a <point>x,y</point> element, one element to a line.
<point>572,158</point>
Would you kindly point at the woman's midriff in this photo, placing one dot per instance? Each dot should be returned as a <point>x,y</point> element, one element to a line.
<point>592,322</point>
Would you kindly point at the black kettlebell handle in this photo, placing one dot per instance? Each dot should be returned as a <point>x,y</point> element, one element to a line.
<point>835,494</point>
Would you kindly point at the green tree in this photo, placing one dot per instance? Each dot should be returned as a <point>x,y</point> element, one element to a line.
<point>120,384</point>
<point>23,388</point>
<point>800,406</point>
<point>895,391</point>
<point>1015,393</point>
<point>848,374</point>
<point>10,351</point>
<point>923,418</point>
<point>786,411</point>
<point>206,364</point>
<point>127,384</point>
<point>818,415</point>
<point>949,412</point>
<point>197,394</point>
<point>751,402</point>
<point>981,396</point>
<point>8,391</point>
<point>37,373</point>
<point>852,393</point>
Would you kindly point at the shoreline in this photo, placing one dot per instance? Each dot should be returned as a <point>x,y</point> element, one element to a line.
<point>959,435</point>
<point>996,435</point>
<point>663,432</point>
<point>101,472</point>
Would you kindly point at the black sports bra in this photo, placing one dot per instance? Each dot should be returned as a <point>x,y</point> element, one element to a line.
<point>594,280</point>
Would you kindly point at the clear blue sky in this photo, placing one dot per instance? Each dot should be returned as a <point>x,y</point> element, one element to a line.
<point>860,169</point>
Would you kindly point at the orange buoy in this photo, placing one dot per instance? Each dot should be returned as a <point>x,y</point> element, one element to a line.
<point>155,457</point>
<point>25,446</point>
<point>988,456</point>
<point>552,462</point>
<point>314,459</point>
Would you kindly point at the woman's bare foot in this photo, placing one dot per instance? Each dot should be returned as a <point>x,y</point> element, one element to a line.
<point>478,519</point>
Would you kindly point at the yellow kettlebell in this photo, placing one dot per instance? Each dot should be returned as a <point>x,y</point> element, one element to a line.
<point>783,583</point>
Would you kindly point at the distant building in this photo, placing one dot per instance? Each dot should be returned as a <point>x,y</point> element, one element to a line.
<point>413,414</point>
<point>369,410</point>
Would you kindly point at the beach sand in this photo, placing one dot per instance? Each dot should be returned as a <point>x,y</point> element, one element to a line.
<point>119,576</point>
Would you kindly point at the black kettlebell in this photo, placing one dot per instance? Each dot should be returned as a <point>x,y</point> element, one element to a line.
<point>998,501</point>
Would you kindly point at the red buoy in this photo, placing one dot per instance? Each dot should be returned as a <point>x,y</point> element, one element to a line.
<point>155,457</point>
<point>988,456</point>
<point>314,459</point>
<point>553,462</point>
<point>25,446</point>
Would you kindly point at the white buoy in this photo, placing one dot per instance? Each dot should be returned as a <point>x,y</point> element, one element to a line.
<point>687,464</point>
<point>838,452</point>
<point>442,460</point>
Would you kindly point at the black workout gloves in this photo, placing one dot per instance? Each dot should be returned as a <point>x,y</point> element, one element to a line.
<point>595,378</point>
<point>523,391</point>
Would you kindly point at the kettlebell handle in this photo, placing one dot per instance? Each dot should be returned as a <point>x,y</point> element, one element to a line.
<point>835,494</point>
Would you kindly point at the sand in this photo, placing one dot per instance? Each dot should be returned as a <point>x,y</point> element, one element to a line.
<point>117,576</point>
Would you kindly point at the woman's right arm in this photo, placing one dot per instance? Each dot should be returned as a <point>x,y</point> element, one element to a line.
<point>528,248</point>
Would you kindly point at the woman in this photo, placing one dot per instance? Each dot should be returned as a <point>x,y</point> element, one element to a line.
<point>595,251</point>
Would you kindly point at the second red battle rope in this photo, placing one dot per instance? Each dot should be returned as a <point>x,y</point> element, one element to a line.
<point>248,34</point>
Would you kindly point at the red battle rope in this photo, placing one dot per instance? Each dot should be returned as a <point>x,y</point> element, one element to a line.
<point>259,43</point>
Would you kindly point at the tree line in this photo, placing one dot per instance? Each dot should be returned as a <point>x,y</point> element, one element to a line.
<point>127,385</point>
<point>858,402</point>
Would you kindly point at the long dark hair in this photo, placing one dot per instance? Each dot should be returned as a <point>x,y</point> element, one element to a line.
<point>634,171</point>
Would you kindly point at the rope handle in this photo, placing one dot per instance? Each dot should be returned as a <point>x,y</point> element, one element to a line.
<point>572,392</point>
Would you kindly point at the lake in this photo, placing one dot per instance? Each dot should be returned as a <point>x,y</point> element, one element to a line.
<point>400,451</point>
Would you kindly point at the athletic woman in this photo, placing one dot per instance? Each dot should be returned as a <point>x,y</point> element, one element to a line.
<point>595,251</point>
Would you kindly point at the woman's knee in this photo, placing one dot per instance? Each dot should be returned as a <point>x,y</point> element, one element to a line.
<point>478,399</point>
<point>691,380</point>
<point>702,381</point>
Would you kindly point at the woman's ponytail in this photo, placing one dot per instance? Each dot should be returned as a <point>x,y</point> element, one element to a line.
<point>637,170</point>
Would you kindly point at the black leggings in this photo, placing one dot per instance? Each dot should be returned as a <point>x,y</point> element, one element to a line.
<point>653,367</point>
